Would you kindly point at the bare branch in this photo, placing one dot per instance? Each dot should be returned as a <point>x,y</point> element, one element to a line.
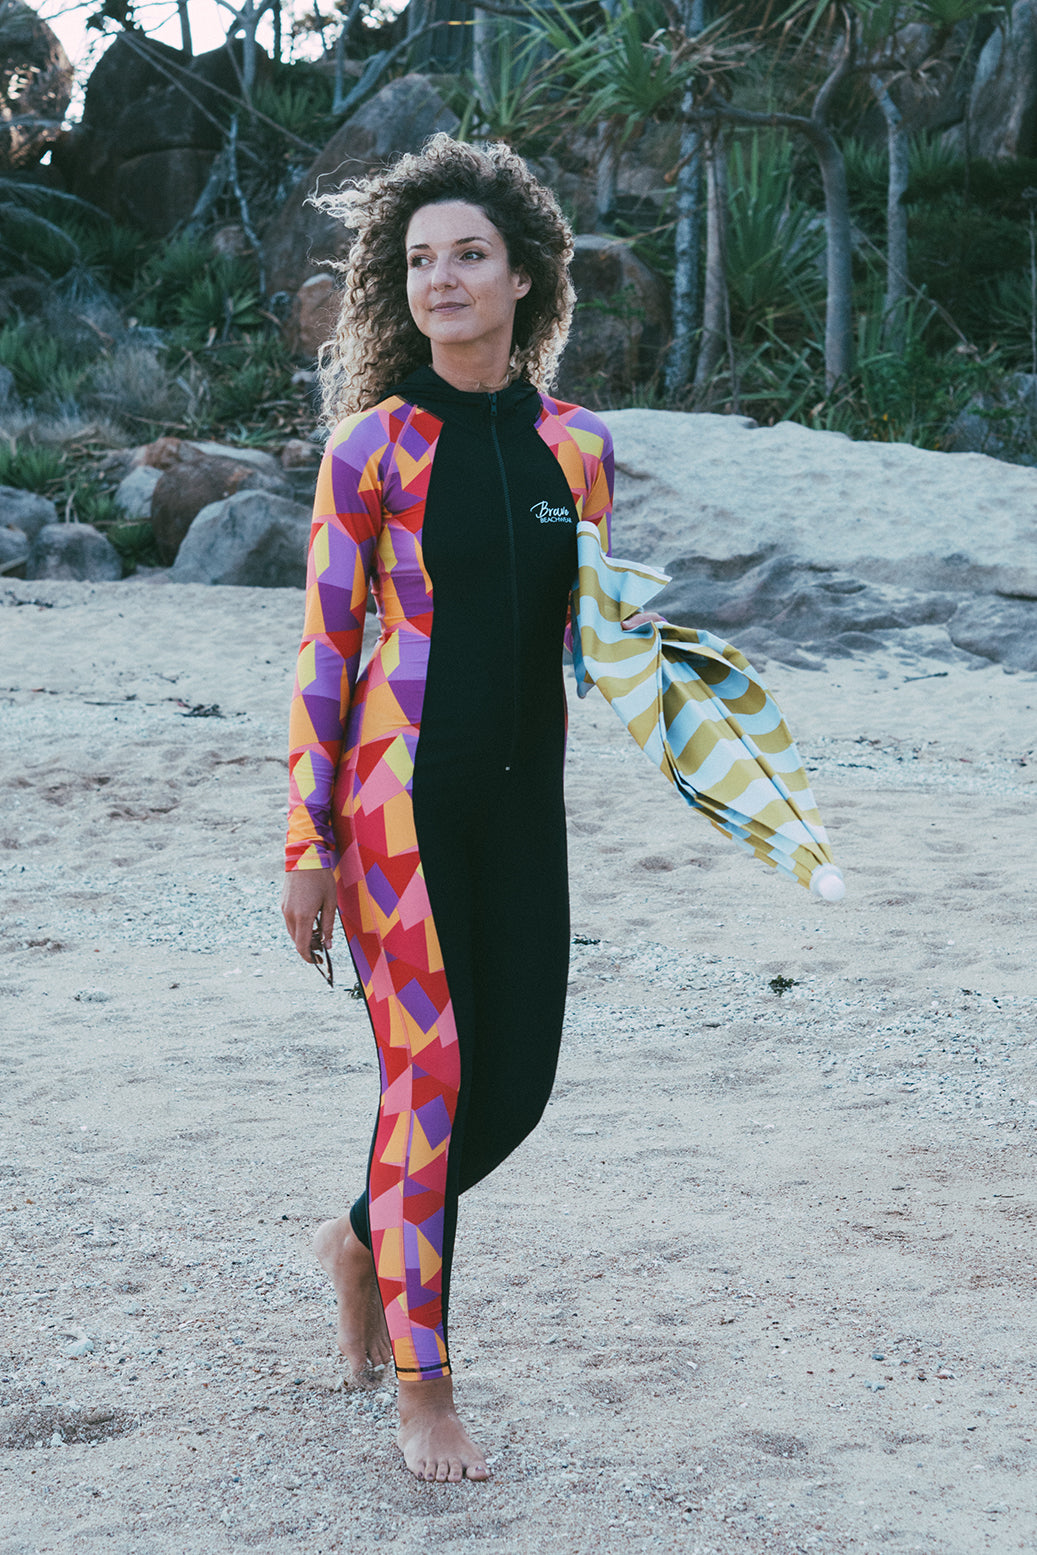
<point>842,69</point>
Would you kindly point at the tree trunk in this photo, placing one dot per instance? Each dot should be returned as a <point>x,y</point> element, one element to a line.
<point>839,350</point>
<point>185,28</point>
<point>446,47</point>
<point>605,179</point>
<point>715,300</point>
<point>685,300</point>
<point>896,218</point>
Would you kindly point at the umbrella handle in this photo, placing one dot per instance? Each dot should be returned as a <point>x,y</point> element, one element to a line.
<point>827,882</point>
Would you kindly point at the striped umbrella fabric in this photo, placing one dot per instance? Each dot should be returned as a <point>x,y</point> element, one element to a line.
<point>696,706</point>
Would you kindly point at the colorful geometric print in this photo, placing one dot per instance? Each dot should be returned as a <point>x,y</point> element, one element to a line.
<point>351,763</point>
<point>385,907</point>
<point>696,706</point>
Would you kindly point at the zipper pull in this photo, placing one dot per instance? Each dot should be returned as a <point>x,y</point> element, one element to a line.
<point>493,406</point>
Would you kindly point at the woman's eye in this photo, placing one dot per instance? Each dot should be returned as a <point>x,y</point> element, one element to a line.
<point>473,253</point>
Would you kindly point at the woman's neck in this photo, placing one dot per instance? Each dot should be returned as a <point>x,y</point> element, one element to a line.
<point>484,374</point>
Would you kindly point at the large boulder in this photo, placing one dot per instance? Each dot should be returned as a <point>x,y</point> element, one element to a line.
<point>796,544</point>
<point>76,551</point>
<point>1002,422</point>
<point>301,240</point>
<point>35,86</point>
<point>134,493</point>
<point>193,475</point>
<point>147,190</point>
<point>314,315</point>
<point>26,511</point>
<point>1003,101</point>
<point>152,123</point>
<point>253,539</point>
<point>621,323</point>
<point>14,549</point>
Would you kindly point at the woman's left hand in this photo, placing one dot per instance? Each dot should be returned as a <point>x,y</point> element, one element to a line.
<point>640,619</point>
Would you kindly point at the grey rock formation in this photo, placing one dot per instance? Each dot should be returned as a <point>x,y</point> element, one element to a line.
<point>76,551</point>
<point>193,475</point>
<point>135,491</point>
<point>1003,100</point>
<point>798,545</point>
<point>300,240</point>
<point>253,538</point>
<point>14,550</point>
<point>25,510</point>
<point>998,628</point>
<point>621,322</point>
<point>152,124</point>
<point>1003,425</point>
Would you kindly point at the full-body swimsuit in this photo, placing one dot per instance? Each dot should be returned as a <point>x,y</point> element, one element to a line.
<point>432,784</point>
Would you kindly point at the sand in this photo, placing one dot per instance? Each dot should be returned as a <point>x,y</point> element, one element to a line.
<point>763,1280</point>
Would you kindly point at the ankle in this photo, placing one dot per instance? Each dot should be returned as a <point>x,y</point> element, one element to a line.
<point>433,1394</point>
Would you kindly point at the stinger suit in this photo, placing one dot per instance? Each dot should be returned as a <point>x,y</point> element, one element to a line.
<point>432,784</point>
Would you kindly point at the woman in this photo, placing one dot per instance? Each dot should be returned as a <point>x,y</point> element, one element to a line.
<point>426,798</point>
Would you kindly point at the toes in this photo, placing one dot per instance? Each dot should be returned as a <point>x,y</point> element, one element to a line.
<point>478,1470</point>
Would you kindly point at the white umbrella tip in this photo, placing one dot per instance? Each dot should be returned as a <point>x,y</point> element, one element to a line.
<point>827,882</point>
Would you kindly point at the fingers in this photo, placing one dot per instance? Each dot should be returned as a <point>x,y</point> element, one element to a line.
<point>308,896</point>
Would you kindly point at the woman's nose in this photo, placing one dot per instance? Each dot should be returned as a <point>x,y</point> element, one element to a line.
<point>442,274</point>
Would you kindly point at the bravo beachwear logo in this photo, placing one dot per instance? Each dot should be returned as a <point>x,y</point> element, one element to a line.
<point>549,515</point>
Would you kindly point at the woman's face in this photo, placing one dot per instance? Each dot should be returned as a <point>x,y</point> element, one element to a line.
<point>461,288</point>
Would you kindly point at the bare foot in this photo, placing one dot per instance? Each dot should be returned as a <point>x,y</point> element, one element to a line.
<point>434,1443</point>
<point>362,1335</point>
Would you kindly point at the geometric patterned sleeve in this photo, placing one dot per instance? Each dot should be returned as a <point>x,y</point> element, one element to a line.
<point>582,444</point>
<point>347,519</point>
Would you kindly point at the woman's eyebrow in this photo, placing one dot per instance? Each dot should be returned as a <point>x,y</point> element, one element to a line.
<point>456,242</point>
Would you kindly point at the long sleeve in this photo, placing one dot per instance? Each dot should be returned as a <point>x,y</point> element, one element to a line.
<point>347,516</point>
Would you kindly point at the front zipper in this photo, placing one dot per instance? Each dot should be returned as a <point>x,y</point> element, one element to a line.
<point>512,574</point>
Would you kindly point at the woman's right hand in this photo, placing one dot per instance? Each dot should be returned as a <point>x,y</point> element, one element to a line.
<point>308,894</point>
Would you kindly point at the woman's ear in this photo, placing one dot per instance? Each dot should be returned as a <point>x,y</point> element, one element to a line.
<point>521,282</point>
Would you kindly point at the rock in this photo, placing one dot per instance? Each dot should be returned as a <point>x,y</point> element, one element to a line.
<point>1003,100</point>
<point>193,475</point>
<point>157,191</point>
<point>35,86</point>
<point>78,1348</point>
<point>134,492</point>
<point>152,124</point>
<point>25,510</point>
<point>792,599</point>
<point>253,538</point>
<point>1002,424</point>
<point>1004,630</point>
<point>255,458</point>
<point>301,239</point>
<point>314,315</point>
<point>14,550</point>
<point>8,396</point>
<point>621,323</point>
<point>76,551</point>
<point>797,544</point>
<point>299,454</point>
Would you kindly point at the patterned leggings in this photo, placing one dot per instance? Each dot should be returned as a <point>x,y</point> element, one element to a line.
<point>454,896</point>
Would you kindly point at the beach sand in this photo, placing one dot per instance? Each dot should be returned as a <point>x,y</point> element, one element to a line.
<point>763,1279</point>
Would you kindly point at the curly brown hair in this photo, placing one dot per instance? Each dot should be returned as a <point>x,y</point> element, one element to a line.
<point>376,342</point>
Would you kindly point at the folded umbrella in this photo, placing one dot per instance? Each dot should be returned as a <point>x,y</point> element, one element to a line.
<point>697,707</point>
